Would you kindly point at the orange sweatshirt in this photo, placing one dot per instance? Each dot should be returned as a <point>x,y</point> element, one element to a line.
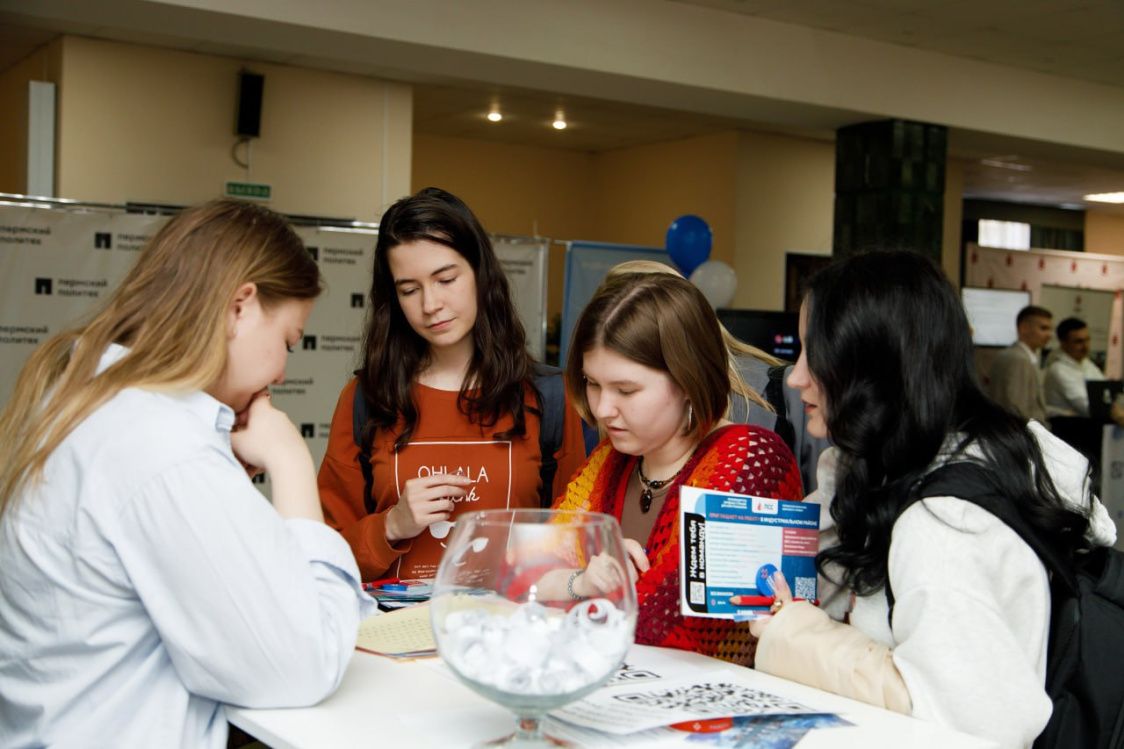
<point>506,475</point>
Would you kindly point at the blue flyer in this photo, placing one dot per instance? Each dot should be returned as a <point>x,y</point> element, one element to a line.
<point>731,546</point>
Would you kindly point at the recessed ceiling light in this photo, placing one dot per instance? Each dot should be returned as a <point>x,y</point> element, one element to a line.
<point>559,121</point>
<point>494,116</point>
<point>1106,197</point>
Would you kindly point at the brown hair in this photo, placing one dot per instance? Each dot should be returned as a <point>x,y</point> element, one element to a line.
<point>735,348</point>
<point>170,311</point>
<point>660,321</point>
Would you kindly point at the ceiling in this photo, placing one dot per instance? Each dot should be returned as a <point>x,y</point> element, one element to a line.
<point>1070,38</point>
<point>1077,39</point>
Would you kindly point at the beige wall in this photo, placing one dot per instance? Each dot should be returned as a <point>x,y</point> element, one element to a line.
<point>41,65</point>
<point>762,195</point>
<point>514,190</point>
<point>1104,232</point>
<point>953,219</point>
<point>147,124</point>
<point>785,203</point>
<point>639,191</point>
<point>629,195</point>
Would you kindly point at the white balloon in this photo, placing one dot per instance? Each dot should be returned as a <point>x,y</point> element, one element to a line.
<point>717,281</point>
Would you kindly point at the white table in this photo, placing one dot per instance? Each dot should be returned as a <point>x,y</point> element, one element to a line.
<point>387,703</point>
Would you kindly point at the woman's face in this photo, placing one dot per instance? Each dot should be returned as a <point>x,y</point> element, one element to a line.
<point>800,378</point>
<point>640,408</point>
<point>436,290</point>
<point>260,341</point>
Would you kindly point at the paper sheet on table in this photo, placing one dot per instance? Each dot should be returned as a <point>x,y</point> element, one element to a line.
<point>723,693</point>
<point>756,732</point>
<point>398,633</point>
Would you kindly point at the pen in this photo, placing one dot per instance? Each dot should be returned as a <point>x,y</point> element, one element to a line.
<point>762,600</point>
<point>377,584</point>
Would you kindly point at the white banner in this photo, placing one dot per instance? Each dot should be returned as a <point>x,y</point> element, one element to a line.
<point>524,261</point>
<point>56,265</point>
<point>1112,477</point>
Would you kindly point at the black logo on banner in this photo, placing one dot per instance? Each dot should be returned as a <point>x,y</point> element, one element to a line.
<point>308,430</point>
<point>309,343</point>
<point>356,300</point>
<point>259,479</point>
<point>315,252</point>
<point>43,286</point>
<point>103,240</point>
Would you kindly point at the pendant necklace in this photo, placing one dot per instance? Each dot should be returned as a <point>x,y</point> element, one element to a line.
<point>651,485</point>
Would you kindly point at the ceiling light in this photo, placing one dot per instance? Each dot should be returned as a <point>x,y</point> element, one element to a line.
<point>494,116</point>
<point>1106,197</point>
<point>559,121</point>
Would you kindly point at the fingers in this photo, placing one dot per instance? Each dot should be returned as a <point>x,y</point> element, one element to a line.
<point>781,591</point>
<point>758,625</point>
<point>637,555</point>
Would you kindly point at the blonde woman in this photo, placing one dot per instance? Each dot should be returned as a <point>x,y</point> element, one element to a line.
<point>145,581</point>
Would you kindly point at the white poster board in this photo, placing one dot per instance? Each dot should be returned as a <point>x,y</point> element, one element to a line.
<point>1112,477</point>
<point>58,263</point>
<point>524,261</point>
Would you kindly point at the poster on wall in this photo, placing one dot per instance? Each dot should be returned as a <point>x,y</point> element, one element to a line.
<point>58,264</point>
<point>56,267</point>
<point>524,261</point>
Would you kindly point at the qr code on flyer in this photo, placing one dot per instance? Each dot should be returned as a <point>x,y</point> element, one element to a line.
<point>697,593</point>
<point>717,698</point>
<point>805,588</point>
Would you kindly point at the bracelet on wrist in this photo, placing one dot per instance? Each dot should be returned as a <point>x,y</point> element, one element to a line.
<point>570,585</point>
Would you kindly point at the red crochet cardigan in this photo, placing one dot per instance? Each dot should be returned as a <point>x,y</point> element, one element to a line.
<point>736,458</point>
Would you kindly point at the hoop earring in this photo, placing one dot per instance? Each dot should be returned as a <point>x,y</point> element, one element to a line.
<point>690,415</point>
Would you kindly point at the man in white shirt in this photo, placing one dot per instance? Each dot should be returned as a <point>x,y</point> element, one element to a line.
<point>1071,368</point>
<point>1015,379</point>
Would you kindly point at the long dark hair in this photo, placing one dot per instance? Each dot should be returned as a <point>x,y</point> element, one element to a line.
<point>393,354</point>
<point>889,345</point>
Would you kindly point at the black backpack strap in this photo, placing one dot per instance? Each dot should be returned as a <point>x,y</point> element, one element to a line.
<point>774,394</point>
<point>359,417</point>
<point>974,483</point>
<point>552,404</point>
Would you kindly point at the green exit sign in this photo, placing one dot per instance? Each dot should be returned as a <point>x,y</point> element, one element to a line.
<point>249,190</point>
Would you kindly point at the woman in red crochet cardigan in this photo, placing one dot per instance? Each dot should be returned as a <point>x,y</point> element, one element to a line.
<point>647,364</point>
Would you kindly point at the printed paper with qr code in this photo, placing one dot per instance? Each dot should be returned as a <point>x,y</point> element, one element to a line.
<point>724,694</point>
<point>731,544</point>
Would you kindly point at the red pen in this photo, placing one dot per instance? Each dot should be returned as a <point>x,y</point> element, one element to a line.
<point>762,600</point>
<point>376,584</point>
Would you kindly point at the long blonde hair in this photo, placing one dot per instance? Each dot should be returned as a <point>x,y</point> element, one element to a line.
<point>734,347</point>
<point>169,311</point>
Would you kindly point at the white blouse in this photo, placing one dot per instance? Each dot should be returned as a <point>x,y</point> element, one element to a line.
<point>146,582</point>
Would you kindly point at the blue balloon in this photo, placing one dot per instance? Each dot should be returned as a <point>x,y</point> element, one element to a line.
<point>688,242</point>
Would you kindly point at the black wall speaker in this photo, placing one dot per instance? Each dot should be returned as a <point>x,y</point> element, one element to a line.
<point>248,123</point>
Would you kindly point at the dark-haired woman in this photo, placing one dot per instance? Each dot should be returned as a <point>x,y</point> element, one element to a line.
<point>453,410</point>
<point>887,372</point>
